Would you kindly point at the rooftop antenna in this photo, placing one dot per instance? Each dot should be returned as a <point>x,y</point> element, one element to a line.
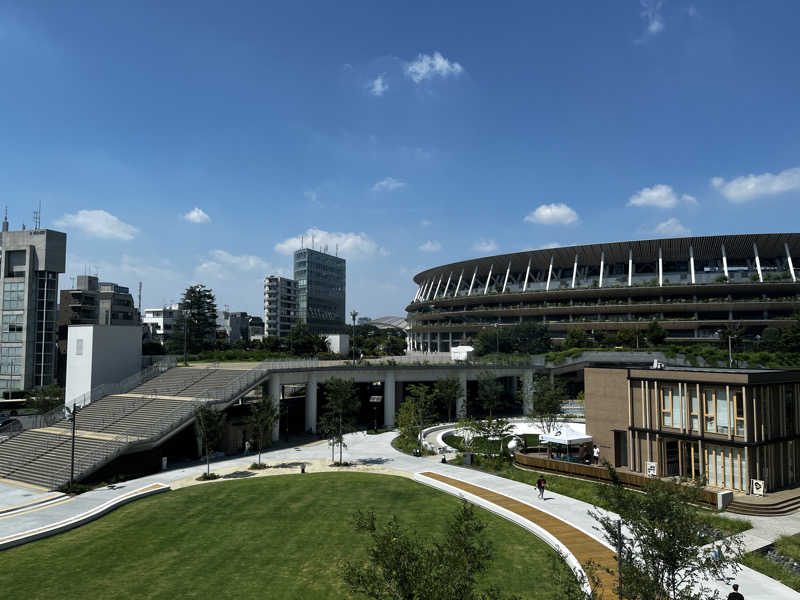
<point>37,217</point>
<point>5,219</point>
<point>302,240</point>
<point>312,241</point>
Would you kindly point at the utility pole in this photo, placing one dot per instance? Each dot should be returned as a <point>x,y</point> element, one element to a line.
<point>354,314</point>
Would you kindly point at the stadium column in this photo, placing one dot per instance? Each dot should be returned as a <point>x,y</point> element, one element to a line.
<point>660,268</point>
<point>461,401</point>
<point>575,271</point>
<point>275,395</point>
<point>505,281</point>
<point>471,283</point>
<point>527,274</point>
<point>458,285</point>
<point>758,263</point>
<point>724,261</point>
<point>602,267</point>
<point>549,274</point>
<point>630,267</point>
<point>311,403</point>
<point>691,262</point>
<point>488,280</point>
<point>789,260</point>
<point>389,389</point>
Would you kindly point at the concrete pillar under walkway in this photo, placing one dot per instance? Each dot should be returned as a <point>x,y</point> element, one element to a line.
<point>389,399</point>
<point>275,396</point>
<point>311,403</point>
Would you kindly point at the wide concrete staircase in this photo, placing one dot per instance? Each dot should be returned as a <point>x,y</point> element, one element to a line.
<point>763,507</point>
<point>123,422</point>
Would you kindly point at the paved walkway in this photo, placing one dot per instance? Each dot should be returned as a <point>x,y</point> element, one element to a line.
<point>373,452</point>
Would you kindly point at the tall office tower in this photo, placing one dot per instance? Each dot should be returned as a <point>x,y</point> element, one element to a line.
<point>29,266</point>
<point>280,305</point>
<point>321,281</point>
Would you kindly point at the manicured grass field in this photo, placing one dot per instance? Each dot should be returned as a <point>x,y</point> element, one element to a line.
<point>272,537</point>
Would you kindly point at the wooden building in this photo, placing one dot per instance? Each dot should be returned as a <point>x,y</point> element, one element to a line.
<point>729,425</point>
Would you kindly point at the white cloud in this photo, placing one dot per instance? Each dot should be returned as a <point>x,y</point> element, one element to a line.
<point>689,199</point>
<point>552,214</point>
<point>549,245</point>
<point>653,19</point>
<point>197,215</point>
<point>749,187</point>
<point>670,227</point>
<point>431,246</point>
<point>485,246</point>
<point>378,86</point>
<point>98,223</point>
<point>425,223</point>
<point>660,195</point>
<point>350,245</point>
<point>389,184</point>
<point>223,265</point>
<point>427,67</point>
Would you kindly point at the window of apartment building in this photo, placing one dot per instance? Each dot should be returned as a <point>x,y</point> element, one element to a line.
<point>12,328</point>
<point>694,408</point>
<point>14,295</point>
<point>717,408</point>
<point>671,414</point>
<point>11,360</point>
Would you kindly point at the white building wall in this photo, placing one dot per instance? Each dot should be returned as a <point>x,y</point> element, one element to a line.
<point>98,354</point>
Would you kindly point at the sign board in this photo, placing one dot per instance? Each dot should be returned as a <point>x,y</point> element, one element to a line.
<point>376,399</point>
<point>757,487</point>
<point>651,469</point>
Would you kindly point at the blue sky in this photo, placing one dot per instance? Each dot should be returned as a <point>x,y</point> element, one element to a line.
<point>186,142</point>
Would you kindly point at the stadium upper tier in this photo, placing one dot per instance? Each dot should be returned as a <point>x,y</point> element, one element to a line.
<point>694,286</point>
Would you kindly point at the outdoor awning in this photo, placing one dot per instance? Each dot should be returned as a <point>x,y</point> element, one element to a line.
<point>565,436</point>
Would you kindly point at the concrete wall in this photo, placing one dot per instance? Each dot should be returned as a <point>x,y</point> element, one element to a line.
<point>606,407</point>
<point>98,354</point>
<point>339,343</point>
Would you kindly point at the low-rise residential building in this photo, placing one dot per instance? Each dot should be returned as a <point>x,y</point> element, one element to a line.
<point>161,321</point>
<point>255,328</point>
<point>234,325</point>
<point>731,426</point>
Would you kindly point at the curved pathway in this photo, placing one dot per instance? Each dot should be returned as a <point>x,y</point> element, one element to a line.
<point>375,452</point>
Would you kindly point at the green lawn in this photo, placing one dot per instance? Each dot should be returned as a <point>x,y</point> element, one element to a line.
<point>583,489</point>
<point>271,537</point>
<point>788,545</point>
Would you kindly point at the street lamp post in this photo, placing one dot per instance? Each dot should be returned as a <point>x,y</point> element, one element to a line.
<point>354,314</point>
<point>187,312</point>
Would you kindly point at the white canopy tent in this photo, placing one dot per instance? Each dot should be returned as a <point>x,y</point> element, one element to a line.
<point>565,436</point>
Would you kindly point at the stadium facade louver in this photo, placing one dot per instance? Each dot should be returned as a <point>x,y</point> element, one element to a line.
<point>694,286</point>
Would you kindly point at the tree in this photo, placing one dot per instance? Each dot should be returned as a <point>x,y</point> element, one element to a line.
<point>627,337</point>
<point>446,392</point>
<point>263,418</point>
<point>489,392</point>
<point>491,428</point>
<point>790,337</point>
<point>655,333</point>
<point>525,338</point>
<point>578,338</point>
<point>470,429</point>
<point>198,316</point>
<point>44,399</point>
<point>415,413</point>
<point>304,343</point>
<point>341,410</point>
<point>402,565</point>
<point>667,551</point>
<point>770,339</point>
<point>548,396</point>
<point>210,426</point>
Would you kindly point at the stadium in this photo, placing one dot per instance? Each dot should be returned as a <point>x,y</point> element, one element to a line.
<point>694,287</point>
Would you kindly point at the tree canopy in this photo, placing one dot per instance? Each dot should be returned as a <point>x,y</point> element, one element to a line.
<point>525,338</point>
<point>198,315</point>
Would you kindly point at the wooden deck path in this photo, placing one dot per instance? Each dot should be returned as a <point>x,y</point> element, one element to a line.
<point>582,546</point>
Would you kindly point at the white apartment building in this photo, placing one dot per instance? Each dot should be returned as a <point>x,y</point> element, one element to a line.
<point>280,305</point>
<point>161,321</point>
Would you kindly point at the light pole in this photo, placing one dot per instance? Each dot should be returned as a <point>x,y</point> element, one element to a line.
<point>187,312</point>
<point>730,347</point>
<point>354,314</point>
<point>497,338</point>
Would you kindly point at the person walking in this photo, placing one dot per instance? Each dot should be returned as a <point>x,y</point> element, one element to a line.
<point>735,595</point>
<point>596,454</point>
<point>540,483</point>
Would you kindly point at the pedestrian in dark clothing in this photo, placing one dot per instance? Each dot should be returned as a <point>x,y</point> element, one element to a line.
<point>735,595</point>
<point>540,483</point>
